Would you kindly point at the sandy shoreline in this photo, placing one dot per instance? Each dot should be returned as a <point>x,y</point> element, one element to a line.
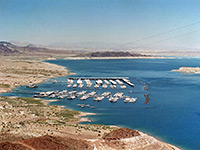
<point>60,71</point>
<point>19,72</point>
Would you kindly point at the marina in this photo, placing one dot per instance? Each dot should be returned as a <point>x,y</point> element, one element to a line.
<point>71,95</point>
<point>77,83</point>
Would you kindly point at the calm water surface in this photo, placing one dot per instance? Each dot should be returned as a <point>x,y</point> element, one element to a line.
<point>173,114</point>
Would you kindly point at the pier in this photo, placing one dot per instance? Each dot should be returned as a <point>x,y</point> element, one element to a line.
<point>100,81</point>
<point>97,78</point>
<point>128,82</point>
<point>96,82</point>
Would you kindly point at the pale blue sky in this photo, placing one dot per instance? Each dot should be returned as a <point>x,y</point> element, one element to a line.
<point>110,21</point>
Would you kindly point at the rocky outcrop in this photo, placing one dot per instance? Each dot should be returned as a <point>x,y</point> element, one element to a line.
<point>52,143</point>
<point>121,133</point>
<point>12,146</point>
<point>47,143</point>
<point>6,47</point>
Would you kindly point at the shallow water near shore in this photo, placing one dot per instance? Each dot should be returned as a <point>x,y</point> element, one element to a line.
<point>173,113</point>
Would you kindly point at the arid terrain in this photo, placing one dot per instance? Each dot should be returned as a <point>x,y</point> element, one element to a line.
<point>24,72</point>
<point>28,123</point>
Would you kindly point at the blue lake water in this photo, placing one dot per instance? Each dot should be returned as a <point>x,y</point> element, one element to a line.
<point>173,113</point>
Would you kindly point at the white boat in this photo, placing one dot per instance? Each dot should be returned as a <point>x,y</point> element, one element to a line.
<point>43,94</point>
<point>99,82</point>
<point>35,95</point>
<point>119,94</point>
<point>91,94</point>
<point>106,94</point>
<point>70,81</point>
<point>84,97</point>
<point>52,96</point>
<point>72,92</point>
<point>98,98</point>
<point>71,97</point>
<point>113,99</point>
<point>96,86</point>
<point>79,81</point>
<point>127,100</point>
<point>104,86</point>
<point>113,86</point>
<point>62,96</point>
<point>113,82</point>
<point>88,83</point>
<point>110,99</point>
<point>123,86</point>
<point>32,86</point>
<point>81,93</point>
<point>132,100</point>
<point>106,81</point>
<point>74,86</point>
<point>81,85</point>
<point>120,82</point>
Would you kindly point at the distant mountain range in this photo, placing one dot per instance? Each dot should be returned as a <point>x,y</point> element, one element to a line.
<point>7,48</point>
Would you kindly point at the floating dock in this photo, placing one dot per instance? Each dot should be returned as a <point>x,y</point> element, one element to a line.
<point>98,78</point>
<point>99,81</point>
<point>128,82</point>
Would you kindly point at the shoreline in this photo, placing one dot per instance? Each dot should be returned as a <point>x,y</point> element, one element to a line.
<point>84,114</point>
<point>27,72</point>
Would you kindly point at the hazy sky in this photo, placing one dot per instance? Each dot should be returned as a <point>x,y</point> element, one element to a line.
<point>109,21</point>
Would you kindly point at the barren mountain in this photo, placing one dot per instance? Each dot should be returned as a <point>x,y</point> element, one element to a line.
<point>6,47</point>
<point>111,54</point>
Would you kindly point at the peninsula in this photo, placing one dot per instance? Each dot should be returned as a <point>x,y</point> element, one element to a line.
<point>28,123</point>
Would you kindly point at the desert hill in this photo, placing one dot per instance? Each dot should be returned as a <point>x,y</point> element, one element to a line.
<point>111,54</point>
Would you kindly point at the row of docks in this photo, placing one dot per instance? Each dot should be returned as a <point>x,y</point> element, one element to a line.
<point>99,81</point>
<point>83,95</point>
